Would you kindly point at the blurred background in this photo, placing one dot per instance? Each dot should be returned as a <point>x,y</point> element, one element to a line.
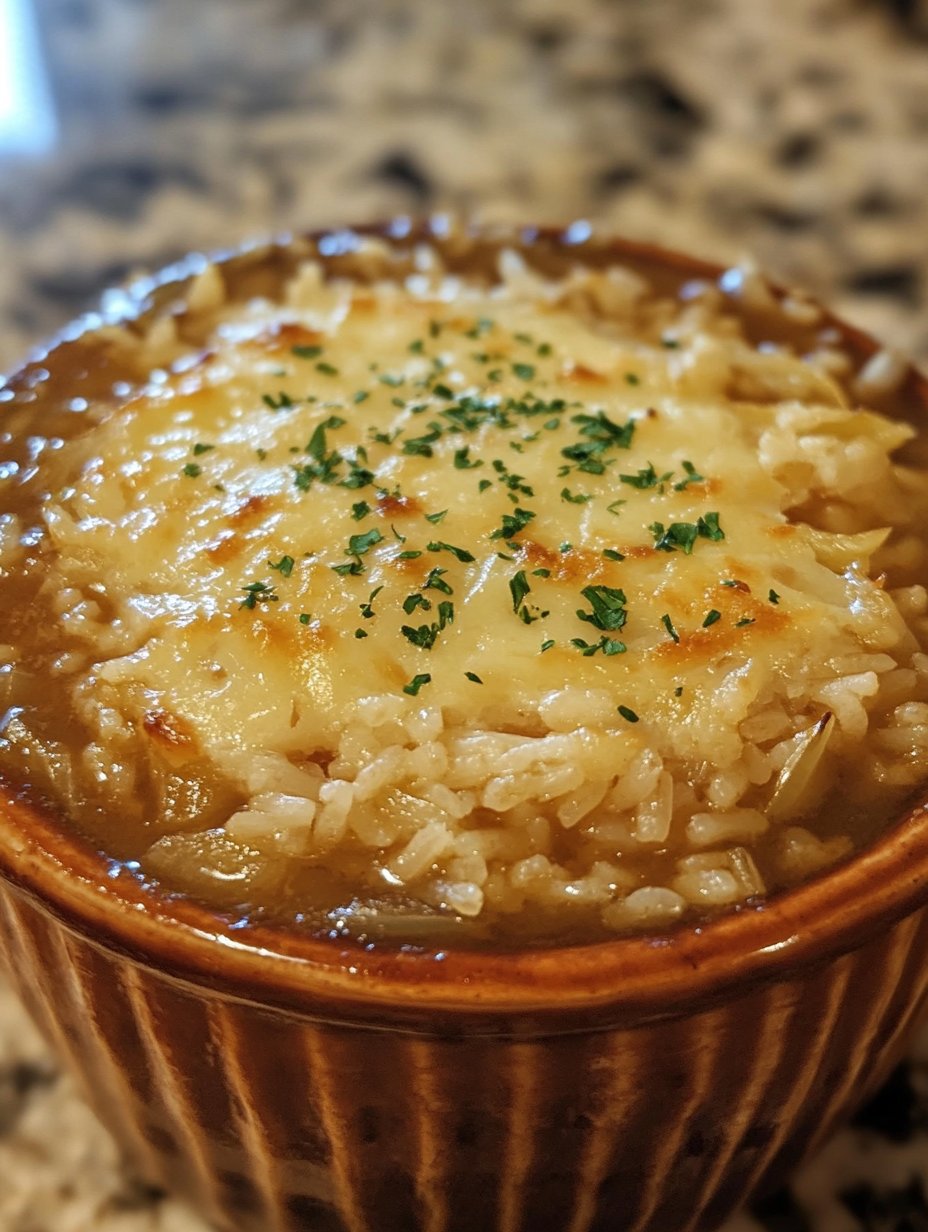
<point>132,131</point>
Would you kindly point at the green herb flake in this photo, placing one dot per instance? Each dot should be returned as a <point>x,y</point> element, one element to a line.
<point>416,347</point>
<point>257,592</point>
<point>416,683</point>
<point>631,378</point>
<point>525,372</point>
<point>646,478</point>
<point>711,618</point>
<point>353,568</point>
<point>708,527</point>
<point>306,352</point>
<point>435,581</point>
<point>460,554</point>
<point>678,691</point>
<point>435,518</point>
<point>745,620</point>
<point>627,713</point>
<point>608,607</point>
<point>305,618</point>
<point>360,395</point>
<point>362,543</point>
<point>359,633</point>
<point>544,349</point>
<point>543,573</point>
<point>199,450</point>
<point>474,677</point>
<point>409,554</point>
<point>192,470</point>
<point>547,644</point>
<point>283,402</point>
<point>284,566</point>
<point>424,636</point>
<point>773,596</point>
<point>326,369</point>
<point>692,476</point>
<point>359,510</point>
<point>612,554</point>
<point>608,645</point>
<point>668,625</point>
<point>411,602</point>
<point>367,608</point>
<point>577,498</point>
<point>518,588</point>
<point>513,523</point>
<point>462,460</point>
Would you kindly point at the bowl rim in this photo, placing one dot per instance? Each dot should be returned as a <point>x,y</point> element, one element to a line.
<point>556,989</point>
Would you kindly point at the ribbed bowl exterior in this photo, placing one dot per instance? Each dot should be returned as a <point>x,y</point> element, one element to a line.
<point>270,1122</point>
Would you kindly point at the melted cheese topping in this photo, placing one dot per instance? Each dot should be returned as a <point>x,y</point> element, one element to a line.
<point>525,602</point>
<point>390,487</point>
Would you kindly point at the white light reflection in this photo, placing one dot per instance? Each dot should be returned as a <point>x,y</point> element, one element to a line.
<point>27,117</point>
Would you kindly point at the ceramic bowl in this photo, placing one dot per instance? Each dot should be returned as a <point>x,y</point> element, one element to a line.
<point>283,1083</point>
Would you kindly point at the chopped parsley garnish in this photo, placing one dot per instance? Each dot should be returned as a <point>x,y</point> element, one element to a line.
<point>283,402</point>
<point>462,459</point>
<point>678,691</point>
<point>632,378</point>
<point>257,592</point>
<point>359,510</point>
<point>435,581</point>
<point>608,645</point>
<point>435,518</point>
<point>409,554</point>
<point>306,352</point>
<point>460,554</point>
<point>668,625</point>
<point>525,372</point>
<point>627,713</point>
<point>745,620</point>
<point>545,573</point>
<point>608,607</point>
<point>646,478</point>
<point>612,554</point>
<point>474,677</point>
<point>284,566</point>
<point>416,683</point>
<point>442,391</point>
<point>359,544</point>
<point>692,476</point>
<point>547,644</point>
<point>411,602</point>
<point>574,498</point>
<point>199,450</point>
<point>367,609</point>
<point>353,568</point>
<point>360,633</point>
<point>424,636</point>
<point>305,618</point>
<point>326,369</point>
<point>361,395</point>
<point>683,535</point>
<point>192,470</point>
<point>519,587</point>
<point>513,523</point>
<point>711,618</point>
<point>773,596</point>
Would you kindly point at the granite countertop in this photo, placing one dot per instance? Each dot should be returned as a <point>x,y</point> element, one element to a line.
<point>793,130</point>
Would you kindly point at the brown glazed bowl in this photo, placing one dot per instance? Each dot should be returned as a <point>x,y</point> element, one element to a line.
<point>281,1082</point>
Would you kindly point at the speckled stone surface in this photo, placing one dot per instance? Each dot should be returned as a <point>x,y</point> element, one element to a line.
<point>793,130</point>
